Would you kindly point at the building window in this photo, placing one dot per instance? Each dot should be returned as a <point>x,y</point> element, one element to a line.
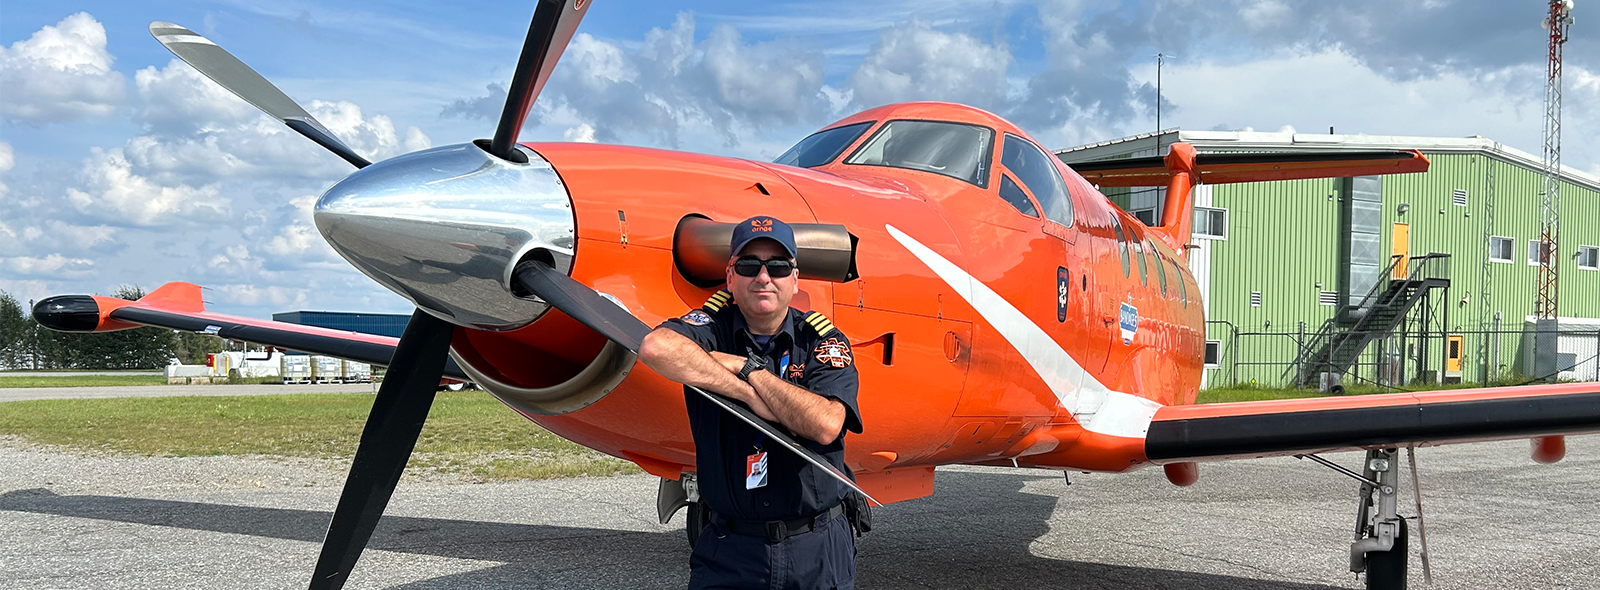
<point>1327,298</point>
<point>1458,197</point>
<point>1500,248</point>
<point>1211,223</point>
<point>1255,299</point>
<point>1589,257</point>
<point>1147,217</point>
<point>1534,251</point>
<point>1213,354</point>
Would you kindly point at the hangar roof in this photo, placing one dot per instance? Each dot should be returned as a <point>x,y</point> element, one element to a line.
<point>1256,141</point>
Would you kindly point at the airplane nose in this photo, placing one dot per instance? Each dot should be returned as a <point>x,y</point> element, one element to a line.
<point>444,227</point>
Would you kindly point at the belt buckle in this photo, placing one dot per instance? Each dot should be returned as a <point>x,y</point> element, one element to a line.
<point>777,530</point>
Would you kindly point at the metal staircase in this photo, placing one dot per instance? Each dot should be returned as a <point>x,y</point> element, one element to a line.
<point>1341,340</point>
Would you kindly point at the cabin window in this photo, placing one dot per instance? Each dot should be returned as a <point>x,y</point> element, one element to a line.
<point>1183,290</point>
<point>1161,267</point>
<point>1013,194</point>
<point>823,146</point>
<point>957,150</point>
<point>1122,243</point>
<point>1037,171</point>
<point>1144,272</point>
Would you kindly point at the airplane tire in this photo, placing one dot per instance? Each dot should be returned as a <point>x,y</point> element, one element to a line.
<point>1386,570</point>
<point>698,516</point>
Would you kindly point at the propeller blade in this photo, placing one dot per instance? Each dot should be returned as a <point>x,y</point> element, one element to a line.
<point>386,442</point>
<point>230,73</point>
<point>554,22</point>
<point>614,322</point>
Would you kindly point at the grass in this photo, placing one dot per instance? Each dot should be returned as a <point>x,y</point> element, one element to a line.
<point>8,381</point>
<point>468,433</point>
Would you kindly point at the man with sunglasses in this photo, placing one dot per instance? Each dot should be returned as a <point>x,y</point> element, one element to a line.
<point>775,521</point>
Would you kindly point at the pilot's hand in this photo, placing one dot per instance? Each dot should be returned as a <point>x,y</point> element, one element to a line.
<point>732,363</point>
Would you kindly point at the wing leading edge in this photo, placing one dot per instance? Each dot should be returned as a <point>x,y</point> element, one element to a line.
<point>177,306</point>
<point>1290,427</point>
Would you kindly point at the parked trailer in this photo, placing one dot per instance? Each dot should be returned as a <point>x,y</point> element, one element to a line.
<point>296,369</point>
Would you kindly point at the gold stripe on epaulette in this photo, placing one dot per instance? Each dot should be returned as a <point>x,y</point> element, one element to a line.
<point>717,300</point>
<point>819,322</point>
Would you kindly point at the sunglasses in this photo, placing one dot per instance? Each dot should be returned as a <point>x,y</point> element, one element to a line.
<point>750,266</point>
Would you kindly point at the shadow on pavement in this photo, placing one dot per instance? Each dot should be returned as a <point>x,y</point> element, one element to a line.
<point>975,533</point>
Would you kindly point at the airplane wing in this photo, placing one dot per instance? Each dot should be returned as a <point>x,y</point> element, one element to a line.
<point>1291,427</point>
<point>177,306</point>
<point>1225,168</point>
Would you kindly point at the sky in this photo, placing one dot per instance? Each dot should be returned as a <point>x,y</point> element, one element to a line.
<point>120,165</point>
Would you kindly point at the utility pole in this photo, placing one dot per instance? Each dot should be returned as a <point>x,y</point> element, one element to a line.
<point>1546,308</point>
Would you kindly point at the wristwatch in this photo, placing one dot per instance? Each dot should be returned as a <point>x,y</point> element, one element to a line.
<point>752,363</point>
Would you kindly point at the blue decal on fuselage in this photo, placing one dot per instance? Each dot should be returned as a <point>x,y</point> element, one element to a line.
<point>1128,320</point>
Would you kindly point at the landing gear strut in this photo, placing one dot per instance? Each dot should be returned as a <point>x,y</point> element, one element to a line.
<point>1380,547</point>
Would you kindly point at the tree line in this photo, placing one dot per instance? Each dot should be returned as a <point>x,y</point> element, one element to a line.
<point>24,344</point>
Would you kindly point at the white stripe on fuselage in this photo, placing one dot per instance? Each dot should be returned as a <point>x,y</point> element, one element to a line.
<point>1095,407</point>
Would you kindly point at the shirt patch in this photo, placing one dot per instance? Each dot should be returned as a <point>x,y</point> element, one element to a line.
<point>797,370</point>
<point>834,352</point>
<point>696,318</point>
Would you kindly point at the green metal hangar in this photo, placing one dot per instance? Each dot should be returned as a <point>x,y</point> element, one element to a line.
<point>1382,279</point>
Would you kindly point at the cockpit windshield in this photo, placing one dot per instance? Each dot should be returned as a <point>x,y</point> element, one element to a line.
<point>957,150</point>
<point>823,146</point>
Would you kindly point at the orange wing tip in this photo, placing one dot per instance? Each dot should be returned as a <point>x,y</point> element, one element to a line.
<point>92,313</point>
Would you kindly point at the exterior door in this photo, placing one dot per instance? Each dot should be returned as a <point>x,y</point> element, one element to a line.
<point>1400,249</point>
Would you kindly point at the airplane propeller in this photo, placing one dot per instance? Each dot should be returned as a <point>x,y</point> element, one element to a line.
<point>407,394</point>
<point>230,73</point>
<point>419,360</point>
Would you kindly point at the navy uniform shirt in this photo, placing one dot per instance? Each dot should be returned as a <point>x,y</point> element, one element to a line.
<point>807,351</point>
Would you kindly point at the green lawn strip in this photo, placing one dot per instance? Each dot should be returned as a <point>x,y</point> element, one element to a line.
<point>9,381</point>
<point>467,432</point>
<point>1247,393</point>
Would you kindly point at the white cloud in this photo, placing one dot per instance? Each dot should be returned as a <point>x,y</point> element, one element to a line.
<point>583,133</point>
<point>61,73</point>
<point>49,266</point>
<point>178,99</point>
<point>7,161</point>
<point>916,62</point>
<point>113,193</point>
<point>255,295</point>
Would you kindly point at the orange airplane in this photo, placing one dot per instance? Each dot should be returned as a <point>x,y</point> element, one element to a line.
<point>1002,310</point>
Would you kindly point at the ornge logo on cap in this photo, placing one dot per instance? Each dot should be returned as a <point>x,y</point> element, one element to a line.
<point>761,224</point>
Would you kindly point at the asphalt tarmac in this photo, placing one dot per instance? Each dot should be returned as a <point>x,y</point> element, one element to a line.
<point>1494,518</point>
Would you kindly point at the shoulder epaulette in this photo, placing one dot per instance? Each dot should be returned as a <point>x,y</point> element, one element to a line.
<point>717,301</point>
<point>819,322</point>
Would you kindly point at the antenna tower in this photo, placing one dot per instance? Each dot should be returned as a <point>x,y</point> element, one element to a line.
<point>1557,23</point>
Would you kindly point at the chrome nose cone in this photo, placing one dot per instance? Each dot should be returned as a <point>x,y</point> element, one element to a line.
<point>444,226</point>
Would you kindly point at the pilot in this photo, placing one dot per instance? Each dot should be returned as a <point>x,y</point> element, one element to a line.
<point>775,520</point>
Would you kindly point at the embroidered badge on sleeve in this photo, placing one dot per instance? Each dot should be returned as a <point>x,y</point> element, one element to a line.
<point>834,352</point>
<point>696,318</point>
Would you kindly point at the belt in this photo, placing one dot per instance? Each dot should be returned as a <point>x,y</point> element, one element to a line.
<point>778,530</point>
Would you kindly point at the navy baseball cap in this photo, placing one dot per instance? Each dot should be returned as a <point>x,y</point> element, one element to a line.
<point>762,226</point>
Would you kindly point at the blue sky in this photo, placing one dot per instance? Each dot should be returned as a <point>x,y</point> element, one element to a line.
<point>120,166</point>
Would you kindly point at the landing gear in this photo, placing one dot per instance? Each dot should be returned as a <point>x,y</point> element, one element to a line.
<point>1380,547</point>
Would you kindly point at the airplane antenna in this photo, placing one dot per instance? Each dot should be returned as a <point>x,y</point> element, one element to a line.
<point>1557,23</point>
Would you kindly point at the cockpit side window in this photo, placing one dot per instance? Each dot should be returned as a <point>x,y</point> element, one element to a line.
<point>823,146</point>
<point>1037,171</point>
<point>957,150</point>
<point>1013,194</point>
